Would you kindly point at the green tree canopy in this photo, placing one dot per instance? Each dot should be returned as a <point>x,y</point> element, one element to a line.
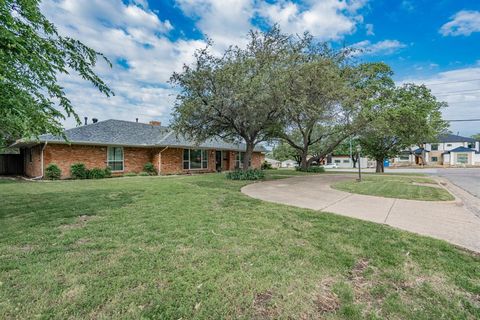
<point>234,96</point>
<point>32,55</point>
<point>410,116</point>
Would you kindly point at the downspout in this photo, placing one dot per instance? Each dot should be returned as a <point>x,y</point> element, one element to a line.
<point>160,160</point>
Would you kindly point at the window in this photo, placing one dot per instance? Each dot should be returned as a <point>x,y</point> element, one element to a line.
<point>346,161</point>
<point>404,157</point>
<point>435,147</point>
<point>449,144</point>
<point>434,159</point>
<point>338,161</point>
<point>239,160</point>
<point>462,158</point>
<point>471,145</point>
<point>194,159</point>
<point>115,158</point>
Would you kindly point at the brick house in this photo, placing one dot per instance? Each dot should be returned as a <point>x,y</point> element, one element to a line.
<point>126,146</point>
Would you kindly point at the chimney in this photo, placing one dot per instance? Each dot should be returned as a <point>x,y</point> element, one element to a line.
<point>155,123</point>
<point>86,119</point>
<point>94,120</point>
<point>136,120</point>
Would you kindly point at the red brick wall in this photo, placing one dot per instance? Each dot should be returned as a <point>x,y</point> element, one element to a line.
<point>93,157</point>
<point>134,159</point>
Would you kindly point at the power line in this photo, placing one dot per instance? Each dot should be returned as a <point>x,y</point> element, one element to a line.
<point>449,82</point>
<point>462,120</point>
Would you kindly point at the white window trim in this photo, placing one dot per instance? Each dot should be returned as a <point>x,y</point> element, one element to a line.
<point>239,160</point>
<point>123,159</point>
<point>189,160</point>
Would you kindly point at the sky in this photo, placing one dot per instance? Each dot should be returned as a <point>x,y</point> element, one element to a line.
<point>434,42</point>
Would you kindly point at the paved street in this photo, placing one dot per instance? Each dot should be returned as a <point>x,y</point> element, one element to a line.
<point>468,179</point>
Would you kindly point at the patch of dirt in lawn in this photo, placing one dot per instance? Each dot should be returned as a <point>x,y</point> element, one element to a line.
<point>326,301</point>
<point>80,222</point>
<point>262,305</point>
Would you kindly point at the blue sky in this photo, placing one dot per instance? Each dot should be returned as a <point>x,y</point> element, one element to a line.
<point>436,42</point>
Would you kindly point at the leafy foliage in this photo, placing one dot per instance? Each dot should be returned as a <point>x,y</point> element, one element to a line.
<point>53,172</point>
<point>409,116</point>
<point>250,174</point>
<point>266,165</point>
<point>78,171</point>
<point>311,169</point>
<point>32,56</point>
<point>149,168</point>
<point>96,173</point>
<point>235,96</point>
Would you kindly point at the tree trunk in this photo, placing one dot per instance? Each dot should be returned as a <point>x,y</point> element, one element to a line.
<point>380,168</point>
<point>303,159</point>
<point>247,156</point>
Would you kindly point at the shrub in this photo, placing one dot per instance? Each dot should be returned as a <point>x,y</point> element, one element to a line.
<point>108,172</point>
<point>149,168</point>
<point>78,171</point>
<point>311,169</point>
<point>96,173</point>
<point>53,172</point>
<point>130,174</point>
<point>144,174</point>
<point>250,174</point>
<point>266,165</point>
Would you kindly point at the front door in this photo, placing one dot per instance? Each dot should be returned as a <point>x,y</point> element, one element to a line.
<point>218,160</point>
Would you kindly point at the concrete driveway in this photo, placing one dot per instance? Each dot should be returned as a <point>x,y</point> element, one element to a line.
<point>452,221</point>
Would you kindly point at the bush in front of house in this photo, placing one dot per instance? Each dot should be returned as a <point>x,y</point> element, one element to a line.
<point>96,173</point>
<point>144,174</point>
<point>53,172</point>
<point>250,174</point>
<point>108,172</point>
<point>311,169</point>
<point>266,165</point>
<point>149,168</point>
<point>78,171</point>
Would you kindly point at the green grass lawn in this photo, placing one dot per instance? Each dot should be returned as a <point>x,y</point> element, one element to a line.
<point>194,247</point>
<point>395,186</point>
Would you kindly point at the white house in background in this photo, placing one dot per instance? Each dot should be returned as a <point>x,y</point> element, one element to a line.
<point>449,150</point>
<point>289,164</point>
<point>344,161</point>
<point>274,163</point>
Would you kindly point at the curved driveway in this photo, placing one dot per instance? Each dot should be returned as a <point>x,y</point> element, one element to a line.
<point>448,220</point>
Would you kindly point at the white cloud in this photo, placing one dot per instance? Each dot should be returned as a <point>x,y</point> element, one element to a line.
<point>226,22</point>
<point>384,47</point>
<point>369,29</point>
<point>463,23</point>
<point>328,19</point>
<point>129,33</point>
<point>460,89</point>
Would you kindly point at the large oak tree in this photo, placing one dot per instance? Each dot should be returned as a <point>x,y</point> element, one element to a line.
<point>234,96</point>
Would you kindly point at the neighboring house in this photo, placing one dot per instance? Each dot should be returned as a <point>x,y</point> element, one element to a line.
<point>126,146</point>
<point>289,164</point>
<point>274,163</point>
<point>449,150</point>
<point>345,161</point>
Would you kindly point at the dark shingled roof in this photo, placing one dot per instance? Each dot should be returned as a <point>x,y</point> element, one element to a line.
<point>454,138</point>
<point>127,133</point>
<point>460,149</point>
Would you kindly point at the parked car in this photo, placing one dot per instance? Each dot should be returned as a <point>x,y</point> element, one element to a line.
<point>330,166</point>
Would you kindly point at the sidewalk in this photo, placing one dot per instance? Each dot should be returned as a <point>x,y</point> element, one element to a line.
<point>453,221</point>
